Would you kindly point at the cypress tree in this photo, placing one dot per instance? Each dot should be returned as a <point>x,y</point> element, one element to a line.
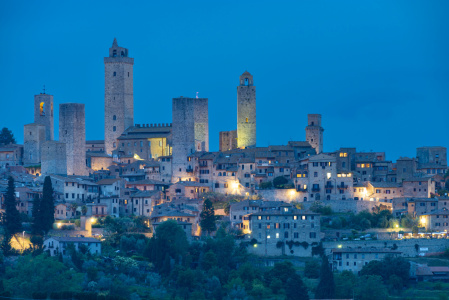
<point>47,206</point>
<point>12,218</point>
<point>295,289</point>
<point>207,217</point>
<point>326,286</point>
<point>37,218</point>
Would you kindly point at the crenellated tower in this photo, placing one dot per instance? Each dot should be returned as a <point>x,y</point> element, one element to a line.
<point>314,132</point>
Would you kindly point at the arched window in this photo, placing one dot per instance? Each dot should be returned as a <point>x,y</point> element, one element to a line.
<point>246,81</point>
<point>114,53</point>
<point>114,210</point>
<point>115,73</point>
<point>42,108</point>
<point>246,120</point>
<point>114,117</point>
<point>122,54</point>
<point>114,144</point>
<point>114,128</point>
<point>219,173</point>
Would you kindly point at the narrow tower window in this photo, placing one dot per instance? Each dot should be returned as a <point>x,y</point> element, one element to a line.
<point>122,54</point>
<point>114,53</point>
<point>128,74</point>
<point>246,120</point>
<point>246,81</point>
<point>115,73</point>
<point>114,128</point>
<point>114,117</point>
<point>42,108</point>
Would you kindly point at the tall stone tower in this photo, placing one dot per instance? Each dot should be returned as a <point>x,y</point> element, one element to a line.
<point>33,138</point>
<point>43,114</point>
<point>72,132</point>
<point>54,158</point>
<point>190,133</point>
<point>118,95</point>
<point>246,111</point>
<point>314,132</point>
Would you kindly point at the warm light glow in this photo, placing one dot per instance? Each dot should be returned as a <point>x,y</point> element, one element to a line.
<point>329,175</point>
<point>292,193</point>
<point>423,220</point>
<point>397,226</point>
<point>137,157</point>
<point>339,246</point>
<point>255,245</point>
<point>59,224</point>
<point>235,185</point>
<point>92,220</point>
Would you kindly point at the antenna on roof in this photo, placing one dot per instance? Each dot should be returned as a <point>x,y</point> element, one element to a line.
<point>196,95</point>
<point>44,88</point>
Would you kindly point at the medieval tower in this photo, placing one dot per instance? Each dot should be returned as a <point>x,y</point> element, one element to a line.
<point>314,132</point>
<point>190,133</point>
<point>246,111</point>
<point>43,114</point>
<point>54,158</point>
<point>34,136</point>
<point>72,132</point>
<point>118,95</point>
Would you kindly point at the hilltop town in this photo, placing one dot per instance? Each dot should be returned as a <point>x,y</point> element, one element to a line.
<point>289,201</point>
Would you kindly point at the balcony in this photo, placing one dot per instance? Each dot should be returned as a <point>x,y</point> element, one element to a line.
<point>329,186</point>
<point>302,190</point>
<point>343,186</point>
<point>189,170</point>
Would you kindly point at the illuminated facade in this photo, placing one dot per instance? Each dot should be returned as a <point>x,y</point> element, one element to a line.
<point>246,112</point>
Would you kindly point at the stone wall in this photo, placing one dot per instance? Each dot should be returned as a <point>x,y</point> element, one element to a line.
<point>43,114</point>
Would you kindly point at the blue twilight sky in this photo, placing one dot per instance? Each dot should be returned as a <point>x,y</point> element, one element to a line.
<point>378,71</point>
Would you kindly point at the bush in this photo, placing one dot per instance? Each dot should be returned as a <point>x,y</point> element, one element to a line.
<point>265,185</point>
<point>279,182</point>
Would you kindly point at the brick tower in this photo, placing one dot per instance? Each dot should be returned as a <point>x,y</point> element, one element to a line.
<point>246,112</point>
<point>118,95</point>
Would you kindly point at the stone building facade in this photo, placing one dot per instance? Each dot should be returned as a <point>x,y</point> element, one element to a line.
<point>190,133</point>
<point>227,140</point>
<point>354,260</point>
<point>118,95</point>
<point>34,136</point>
<point>246,112</point>
<point>314,132</point>
<point>72,132</point>
<point>53,158</point>
<point>43,114</point>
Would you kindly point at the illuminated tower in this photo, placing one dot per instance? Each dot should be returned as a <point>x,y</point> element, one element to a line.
<point>246,112</point>
<point>118,95</point>
<point>314,132</point>
<point>43,114</point>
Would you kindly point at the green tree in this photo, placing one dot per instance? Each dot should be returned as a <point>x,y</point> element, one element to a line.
<point>6,137</point>
<point>47,207</point>
<point>207,217</point>
<point>48,275</point>
<point>326,286</point>
<point>12,217</point>
<point>279,182</point>
<point>312,269</point>
<point>370,288</point>
<point>295,289</point>
<point>282,271</point>
<point>344,285</point>
<point>209,260</point>
<point>37,218</point>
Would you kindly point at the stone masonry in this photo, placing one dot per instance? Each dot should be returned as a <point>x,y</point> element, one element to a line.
<point>190,133</point>
<point>43,114</point>
<point>72,132</point>
<point>246,111</point>
<point>54,158</point>
<point>228,140</point>
<point>118,95</point>
<point>33,138</point>
<point>314,132</point>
